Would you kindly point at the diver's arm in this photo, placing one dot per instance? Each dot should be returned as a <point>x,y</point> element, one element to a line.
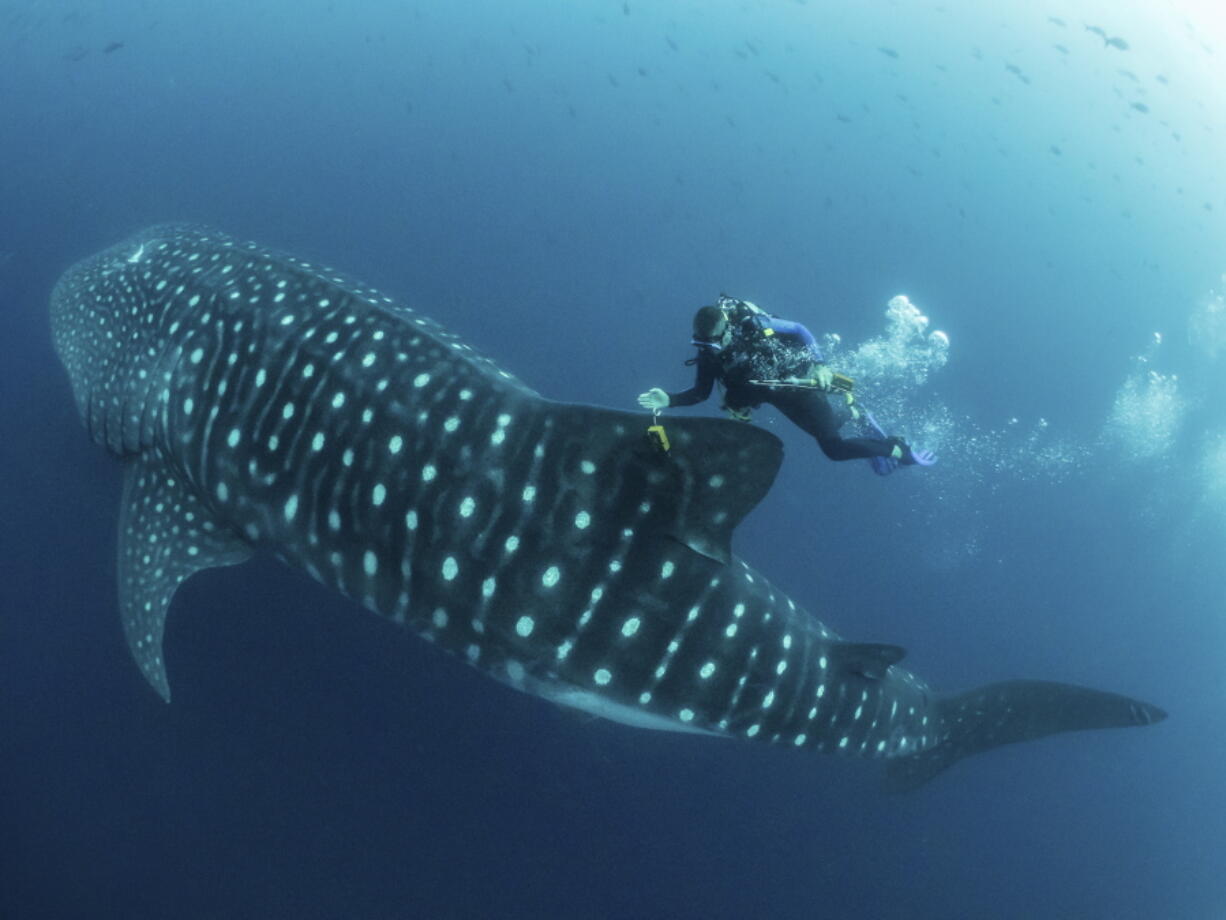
<point>704,380</point>
<point>798,332</point>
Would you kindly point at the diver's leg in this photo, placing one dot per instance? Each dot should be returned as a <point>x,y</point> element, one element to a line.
<point>810,411</point>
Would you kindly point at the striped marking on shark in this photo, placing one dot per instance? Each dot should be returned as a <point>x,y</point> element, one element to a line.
<point>260,402</point>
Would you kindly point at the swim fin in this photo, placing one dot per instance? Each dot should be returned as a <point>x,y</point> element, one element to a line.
<point>883,466</point>
<point>908,456</point>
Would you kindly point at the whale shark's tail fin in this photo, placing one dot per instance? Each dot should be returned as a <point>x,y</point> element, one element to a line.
<point>1016,710</point>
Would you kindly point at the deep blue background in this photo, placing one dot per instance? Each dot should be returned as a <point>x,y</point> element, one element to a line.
<point>562,182</point>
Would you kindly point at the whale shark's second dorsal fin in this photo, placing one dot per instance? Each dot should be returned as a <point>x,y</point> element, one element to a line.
<point>165,534</point>
<point>868,659</point>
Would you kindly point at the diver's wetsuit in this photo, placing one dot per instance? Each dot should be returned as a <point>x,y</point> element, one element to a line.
<point>787,350</point>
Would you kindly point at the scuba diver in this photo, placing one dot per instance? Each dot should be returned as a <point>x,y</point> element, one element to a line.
<point>759,358</point>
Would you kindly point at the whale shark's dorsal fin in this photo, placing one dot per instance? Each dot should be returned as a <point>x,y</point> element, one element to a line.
<point>165,534</point>
<point>720,471</point>
<point>714,473</point>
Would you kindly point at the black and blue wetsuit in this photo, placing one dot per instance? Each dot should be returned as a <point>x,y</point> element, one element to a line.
<point>767,348</point>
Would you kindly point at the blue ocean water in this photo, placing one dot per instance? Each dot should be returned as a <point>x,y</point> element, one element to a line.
<point>562,182</point>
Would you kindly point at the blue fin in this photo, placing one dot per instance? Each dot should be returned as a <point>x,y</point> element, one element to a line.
<point>883,466</point>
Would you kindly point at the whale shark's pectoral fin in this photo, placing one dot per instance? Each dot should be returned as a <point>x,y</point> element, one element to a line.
<point>165,534</point>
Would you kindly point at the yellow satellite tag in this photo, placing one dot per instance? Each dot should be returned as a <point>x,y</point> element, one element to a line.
<point>659,437</point>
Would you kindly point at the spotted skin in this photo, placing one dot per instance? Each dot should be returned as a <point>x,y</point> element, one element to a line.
<point>260,402</point>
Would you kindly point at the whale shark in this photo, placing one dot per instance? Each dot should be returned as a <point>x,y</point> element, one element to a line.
<point>263,403</point>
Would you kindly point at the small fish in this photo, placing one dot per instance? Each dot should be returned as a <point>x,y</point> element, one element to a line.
<point>1056,21</point>
<point>889,52</point>
<point>1061,49</point>
<point>1056,150</point>
<point>1163,80</point>
<point>1140,106</point>
<point>672,44</point>
<point>1097,31</point>
<point>1017,72</point>
<point>112,46</point>
<point>1117,42</point>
